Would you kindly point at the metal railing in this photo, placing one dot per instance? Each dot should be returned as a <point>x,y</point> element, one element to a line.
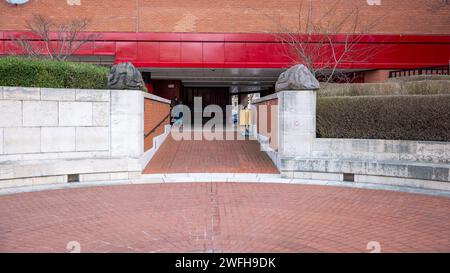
<point>435,70</point>
<point>156,127</point>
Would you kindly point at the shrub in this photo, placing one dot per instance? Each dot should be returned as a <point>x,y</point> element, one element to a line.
<point>415,117</point>
<point>27,72</point>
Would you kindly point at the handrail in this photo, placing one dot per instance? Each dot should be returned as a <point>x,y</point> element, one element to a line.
<point>154,128</point>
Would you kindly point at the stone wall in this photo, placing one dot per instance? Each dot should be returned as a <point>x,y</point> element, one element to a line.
<point>44,123</point>
<point>47,134</point>
<point>422,164</point>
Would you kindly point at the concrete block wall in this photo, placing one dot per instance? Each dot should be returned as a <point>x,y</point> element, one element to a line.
<point>382,150</point>
<point>46,123</point>
<point>297,122</point>
<point>423,164</point>
<point>46,134</point>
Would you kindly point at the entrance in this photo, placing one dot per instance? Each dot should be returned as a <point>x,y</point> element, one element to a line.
<point>210,95</point>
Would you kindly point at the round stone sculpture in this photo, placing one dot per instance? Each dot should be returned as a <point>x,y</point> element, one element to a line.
<point>297,77</point>
<point>125,76</point>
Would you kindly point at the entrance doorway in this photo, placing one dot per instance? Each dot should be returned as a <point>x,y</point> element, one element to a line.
<point>210,95</point>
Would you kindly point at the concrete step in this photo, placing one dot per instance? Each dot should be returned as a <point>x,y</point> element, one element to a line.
<point>215,177</point>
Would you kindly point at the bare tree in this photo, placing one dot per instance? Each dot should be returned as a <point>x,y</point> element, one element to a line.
<point>326,43</point>
<point>52,40</point>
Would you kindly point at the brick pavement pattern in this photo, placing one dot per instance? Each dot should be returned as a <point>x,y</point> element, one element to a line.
<point>223,217</point>
<point>203,156</point>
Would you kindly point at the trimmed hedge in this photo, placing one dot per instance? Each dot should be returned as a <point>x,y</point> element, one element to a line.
<point>415,117</point>
<point>420,78</point>
<point>422,87</point>
<point>27,72</point>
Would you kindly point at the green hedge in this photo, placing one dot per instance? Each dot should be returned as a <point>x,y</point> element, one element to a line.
<point>27,72</point>
<point>422,87</point>
<point>415,117</point>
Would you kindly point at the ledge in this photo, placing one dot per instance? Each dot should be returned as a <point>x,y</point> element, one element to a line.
<point>155,98</point>
<point>402,169</point>
<point>273,96</point>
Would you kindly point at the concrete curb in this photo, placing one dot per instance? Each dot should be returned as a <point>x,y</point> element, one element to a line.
<point>223,178</point>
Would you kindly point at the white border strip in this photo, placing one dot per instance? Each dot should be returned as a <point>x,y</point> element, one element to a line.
<point>237,178</point>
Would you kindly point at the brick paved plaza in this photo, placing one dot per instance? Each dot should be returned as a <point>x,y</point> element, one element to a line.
<point>223,217</point>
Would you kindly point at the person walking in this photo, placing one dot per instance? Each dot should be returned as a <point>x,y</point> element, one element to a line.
<point>174,102</point>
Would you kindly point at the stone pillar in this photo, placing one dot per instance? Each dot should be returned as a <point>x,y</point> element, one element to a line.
<point>297,122</point>
<point>127,123</point>
<point>297,94</point>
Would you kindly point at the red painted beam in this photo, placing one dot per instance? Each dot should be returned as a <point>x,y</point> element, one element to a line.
<point>247,50</point>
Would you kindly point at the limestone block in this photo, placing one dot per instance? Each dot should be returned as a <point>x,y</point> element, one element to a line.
<point>295,144</point>
<point>11,183</point>
<point>302,175</point>
<point>127,127</point>
<point>58,139</point>
<point>10,113</point>
<point>92,95</point>
<point>326,176</point>
<point>119,176</point>
<point>433,151</point>
<point>392,169</point>
<point>1,141</point>
<point>298,102</point>
<point>21,93</point>
<point>321,144</point>
<point>40,113</point>
<point>420,172</point>
<point>134,175</point>
<point>48,180</point>
<point>404,182</point>
<point>407,147</point>
<point>441,174</point>
<point>75,113</point>
<point>100,113</point>
<point>92,138</point>
<point>95,177</point>
<point>58,94</point>
<point>21,140</point>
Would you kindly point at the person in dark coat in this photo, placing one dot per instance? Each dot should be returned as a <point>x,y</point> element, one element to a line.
<point>174,102</point>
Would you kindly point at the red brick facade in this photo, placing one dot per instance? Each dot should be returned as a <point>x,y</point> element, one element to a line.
<point>265,112</point>
<point>259,16</point>
<point>154,113</point>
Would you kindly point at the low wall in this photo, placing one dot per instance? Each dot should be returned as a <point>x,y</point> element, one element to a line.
<point>47,134</point>
<point>266,121</point>
<point>156,117</point>
<point>423,164</point>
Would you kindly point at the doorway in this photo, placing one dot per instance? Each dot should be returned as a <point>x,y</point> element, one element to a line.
<point>210,95</point>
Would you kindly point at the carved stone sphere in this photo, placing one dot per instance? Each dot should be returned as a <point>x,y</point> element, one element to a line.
<point>297,77</point>
<point>125,76</point>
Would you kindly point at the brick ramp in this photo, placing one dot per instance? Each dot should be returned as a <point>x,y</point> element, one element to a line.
<point>216,156</point>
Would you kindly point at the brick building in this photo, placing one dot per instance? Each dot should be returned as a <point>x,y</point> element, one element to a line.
<point>195,47</point>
